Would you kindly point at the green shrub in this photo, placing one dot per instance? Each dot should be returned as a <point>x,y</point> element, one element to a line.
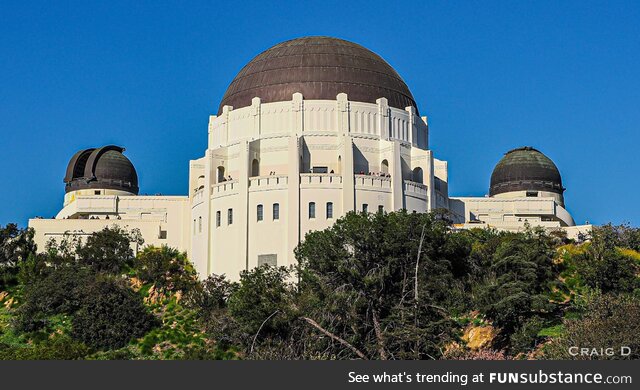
<point>110,315</point>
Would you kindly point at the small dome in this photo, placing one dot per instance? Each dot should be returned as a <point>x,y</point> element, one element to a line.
<point>319,68</point>
<point>101,168</point>
<point>525,169</point>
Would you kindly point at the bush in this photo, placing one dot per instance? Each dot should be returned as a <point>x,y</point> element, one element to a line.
<point>61,291</point>
<point>110,315</point>
<point>526,336</point>
<point>610,271</point>
<point>58,347</point>
<point>608,321</point>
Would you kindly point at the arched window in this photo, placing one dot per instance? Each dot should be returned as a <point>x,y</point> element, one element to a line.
<point>220,171</point>
<point>417,175</point>
<point>260,213</point>
<point>312,210</point>
<point>255,167</point>
<point>339,165</point>
<point>276,211</point>
<point>329,210</point>
<point>199,224</point>
<point>384,166</point>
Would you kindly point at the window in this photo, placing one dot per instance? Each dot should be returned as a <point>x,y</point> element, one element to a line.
<point>365,208</point>
<point>260,212</point>
<point>255,167</point>
<point>276,211</point>
<point>312,209</point>
<point>320,169</point>
<point>96,192</point>
<point>199,224</point>
<point>194,226</point>
<point>532,194</point>
<point>271,259</point>
<point>229,216</point>
<point>417,175</point>
<point>381,209</point>
<point>329,210</point>
<point>384,166</point>
<point>218,218</point>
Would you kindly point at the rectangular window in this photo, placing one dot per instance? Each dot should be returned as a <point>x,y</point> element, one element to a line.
<point>218,218</point>
<point>276,211</point>
<point>271,259</point>
<point>532,194</point>
<point>96,192</point>
<point>229,216</point>
<point>260,212</point>
<point>365,208</point>
<point>381,209</point>
<point>320,169</point>
<point>329,210</point>
<point>312,210</point>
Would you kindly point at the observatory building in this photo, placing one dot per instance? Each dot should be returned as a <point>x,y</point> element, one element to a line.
<point>308,130</point>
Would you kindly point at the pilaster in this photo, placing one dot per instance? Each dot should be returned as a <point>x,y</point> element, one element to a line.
<point>396,177</point>
<point>293,196</point>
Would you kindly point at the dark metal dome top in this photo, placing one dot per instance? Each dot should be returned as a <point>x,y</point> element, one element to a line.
<point>101,168</point>
<point>318,68</point>
<point>525,169</point>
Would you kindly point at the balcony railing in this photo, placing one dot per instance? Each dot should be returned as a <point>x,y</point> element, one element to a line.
<point>257,183</point>
<point>372,181</point>
<point>415,188</point>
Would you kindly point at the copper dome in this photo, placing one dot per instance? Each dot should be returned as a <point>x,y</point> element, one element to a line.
<point>525,169</point>
<point>319,68</point>
<point>101,168</point>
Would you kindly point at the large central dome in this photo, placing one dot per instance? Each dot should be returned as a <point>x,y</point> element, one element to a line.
<point>319,68</point>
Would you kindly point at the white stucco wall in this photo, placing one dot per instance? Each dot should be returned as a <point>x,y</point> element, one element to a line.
<point>269,152</point>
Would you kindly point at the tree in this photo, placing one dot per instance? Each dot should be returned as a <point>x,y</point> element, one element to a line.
<point>109,250</point>
<point>16,245</point>
<point>165,267</point>
<point>602,266</point>
<point>261,305</point>
<point>379,285</point>
<point>518,281</point>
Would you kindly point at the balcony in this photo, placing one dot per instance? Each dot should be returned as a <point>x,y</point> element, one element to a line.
<point>372,182</point>
<point>224,189</point>
<point>271,182</point>
<point>320,180</point>
<point>415,189</point>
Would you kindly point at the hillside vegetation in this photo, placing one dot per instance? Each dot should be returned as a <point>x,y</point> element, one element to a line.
<point>373,286</point>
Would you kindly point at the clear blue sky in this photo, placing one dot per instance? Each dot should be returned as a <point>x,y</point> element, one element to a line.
<point>561,76</point>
